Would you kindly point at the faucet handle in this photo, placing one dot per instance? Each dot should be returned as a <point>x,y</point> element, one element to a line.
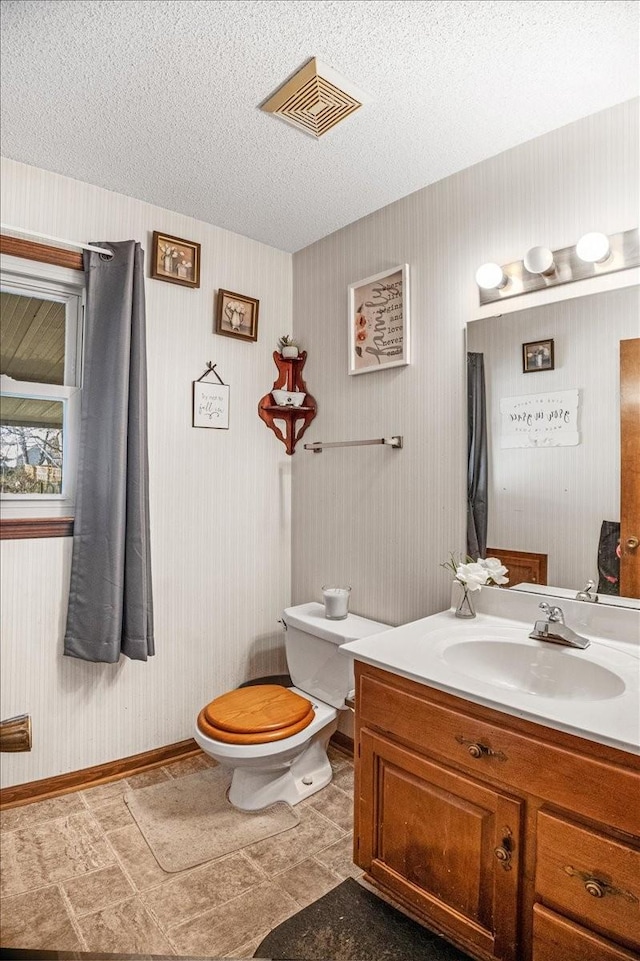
<point>586,594</point>
<point>554,614</point>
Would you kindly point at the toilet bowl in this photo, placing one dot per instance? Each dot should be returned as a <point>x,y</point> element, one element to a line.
<point>274,738</point>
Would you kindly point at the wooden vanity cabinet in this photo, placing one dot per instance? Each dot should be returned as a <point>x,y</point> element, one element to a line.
<point>432,835</point>
<point>515,841</point>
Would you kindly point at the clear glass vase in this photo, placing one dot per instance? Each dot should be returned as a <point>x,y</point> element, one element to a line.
<point>465,606</point>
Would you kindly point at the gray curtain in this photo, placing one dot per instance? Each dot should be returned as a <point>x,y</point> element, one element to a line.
<point>110,599</point>
<point>476,458</point>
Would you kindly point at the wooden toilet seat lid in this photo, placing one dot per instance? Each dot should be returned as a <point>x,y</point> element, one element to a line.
<point>256,715</point>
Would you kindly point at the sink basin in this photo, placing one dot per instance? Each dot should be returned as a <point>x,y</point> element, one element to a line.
<point>552,671</point>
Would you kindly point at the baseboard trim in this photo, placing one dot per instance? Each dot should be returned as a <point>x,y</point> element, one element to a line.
<point>114,770</point>
<point>99,774</point>
<point>342,742</point>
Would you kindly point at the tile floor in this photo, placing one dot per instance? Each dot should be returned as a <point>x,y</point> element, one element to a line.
<point>77,874</point>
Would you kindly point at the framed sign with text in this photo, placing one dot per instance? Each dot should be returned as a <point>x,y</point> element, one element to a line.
<point>379,321</point>
<point>210,405</point>
<point>540,420</point>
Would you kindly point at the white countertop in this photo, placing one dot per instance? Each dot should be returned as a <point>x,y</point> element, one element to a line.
<point>422,652</point>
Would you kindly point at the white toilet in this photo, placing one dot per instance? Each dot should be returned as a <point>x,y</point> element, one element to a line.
<point>274,738</point>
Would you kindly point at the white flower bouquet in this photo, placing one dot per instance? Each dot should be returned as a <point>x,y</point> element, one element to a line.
<point>474,575</point>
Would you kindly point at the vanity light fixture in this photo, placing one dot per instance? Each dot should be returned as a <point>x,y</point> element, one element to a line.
<point>594,248</point>
<point>491,277</point>
<point>539,260</point>
<point>594,255</point>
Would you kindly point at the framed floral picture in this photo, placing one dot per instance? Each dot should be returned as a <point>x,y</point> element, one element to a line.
<point>175,260</point>
<point>379,321</point>
<point>537,355</point>
<point>237,315</point>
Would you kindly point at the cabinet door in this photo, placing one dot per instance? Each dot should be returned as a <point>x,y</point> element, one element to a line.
<point>446,844</point>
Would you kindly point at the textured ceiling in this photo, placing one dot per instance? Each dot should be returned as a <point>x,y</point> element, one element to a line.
<point>159,99</point>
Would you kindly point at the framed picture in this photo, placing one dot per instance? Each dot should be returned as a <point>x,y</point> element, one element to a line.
<point>237,315</point>
<point>538,355</point>
<point>175,260</point>
<point>210,405</point>
<point>379,321</point>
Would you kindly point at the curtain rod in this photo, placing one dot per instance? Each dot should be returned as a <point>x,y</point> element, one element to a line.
<point>58,240</point>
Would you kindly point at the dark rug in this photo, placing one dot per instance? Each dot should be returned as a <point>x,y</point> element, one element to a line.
<point>350,923</point>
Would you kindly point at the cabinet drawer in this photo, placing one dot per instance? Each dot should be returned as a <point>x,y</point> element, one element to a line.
<point>556,938</point>
<point>589,875</point>
<point>412,713</point>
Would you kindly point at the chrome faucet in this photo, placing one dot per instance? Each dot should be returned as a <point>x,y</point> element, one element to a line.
<point>555,630</point>
<point>586,594</point>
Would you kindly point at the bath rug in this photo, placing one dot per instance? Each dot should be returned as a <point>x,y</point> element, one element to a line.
<point>351,923</point>
<point>189,820</point>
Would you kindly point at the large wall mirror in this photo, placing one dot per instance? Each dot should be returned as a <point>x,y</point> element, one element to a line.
<point>554,469</point>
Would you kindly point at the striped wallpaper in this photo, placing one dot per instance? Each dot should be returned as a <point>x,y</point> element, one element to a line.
<point>220,507</point>
<point>379,519</point>
<point>240,529</point>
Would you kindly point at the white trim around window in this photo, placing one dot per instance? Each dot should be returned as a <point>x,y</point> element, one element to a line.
<point>49,282</point>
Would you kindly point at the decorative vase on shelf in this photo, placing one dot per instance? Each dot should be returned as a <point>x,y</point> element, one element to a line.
<point>465,606</point>
<point>290,352</point>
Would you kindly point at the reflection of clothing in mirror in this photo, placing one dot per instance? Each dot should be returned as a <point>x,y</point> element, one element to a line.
<point>609,558</point>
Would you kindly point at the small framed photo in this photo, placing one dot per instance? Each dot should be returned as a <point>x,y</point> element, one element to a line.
<point>175,260</point>
<point>379,321</point>
<point>210,405</point>
<point>537,355</point>
<point>237,315</point>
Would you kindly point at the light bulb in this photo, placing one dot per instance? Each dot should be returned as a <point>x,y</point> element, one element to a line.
<point>539,260</point>
<point>491,277</point>
<point>594,248</point>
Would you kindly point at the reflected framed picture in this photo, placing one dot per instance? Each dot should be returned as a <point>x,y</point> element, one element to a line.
<point>175,260</point>
<point>379,321</point>
<point>537,355</point>
<point>237,315</point>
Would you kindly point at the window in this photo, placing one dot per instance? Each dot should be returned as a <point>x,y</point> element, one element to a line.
<point>40,377</point>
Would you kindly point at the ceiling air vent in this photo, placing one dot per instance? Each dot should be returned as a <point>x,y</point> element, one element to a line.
<point>315,99</point>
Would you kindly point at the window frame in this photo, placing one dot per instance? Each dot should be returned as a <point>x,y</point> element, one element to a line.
<point>39,269</point>
<point>48,505</point>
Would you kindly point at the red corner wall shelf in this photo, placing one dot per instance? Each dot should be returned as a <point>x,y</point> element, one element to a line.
<point>294,420</point>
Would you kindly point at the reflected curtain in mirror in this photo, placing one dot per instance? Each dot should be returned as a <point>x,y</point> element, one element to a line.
<point>110,598</point>
<point>476,457</point>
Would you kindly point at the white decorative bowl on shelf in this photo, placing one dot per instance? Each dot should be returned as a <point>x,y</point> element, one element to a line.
<point>288,398</point>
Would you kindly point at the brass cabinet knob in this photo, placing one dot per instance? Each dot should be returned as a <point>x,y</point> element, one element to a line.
<point>502,854</point>
<point>477,749</point>
<point>594,888</point>
<point>631,543</point>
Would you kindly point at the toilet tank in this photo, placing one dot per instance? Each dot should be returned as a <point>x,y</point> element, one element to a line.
<point>312,645</point>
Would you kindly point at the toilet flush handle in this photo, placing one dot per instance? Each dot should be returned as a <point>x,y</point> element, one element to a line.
<point>282,621</point>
